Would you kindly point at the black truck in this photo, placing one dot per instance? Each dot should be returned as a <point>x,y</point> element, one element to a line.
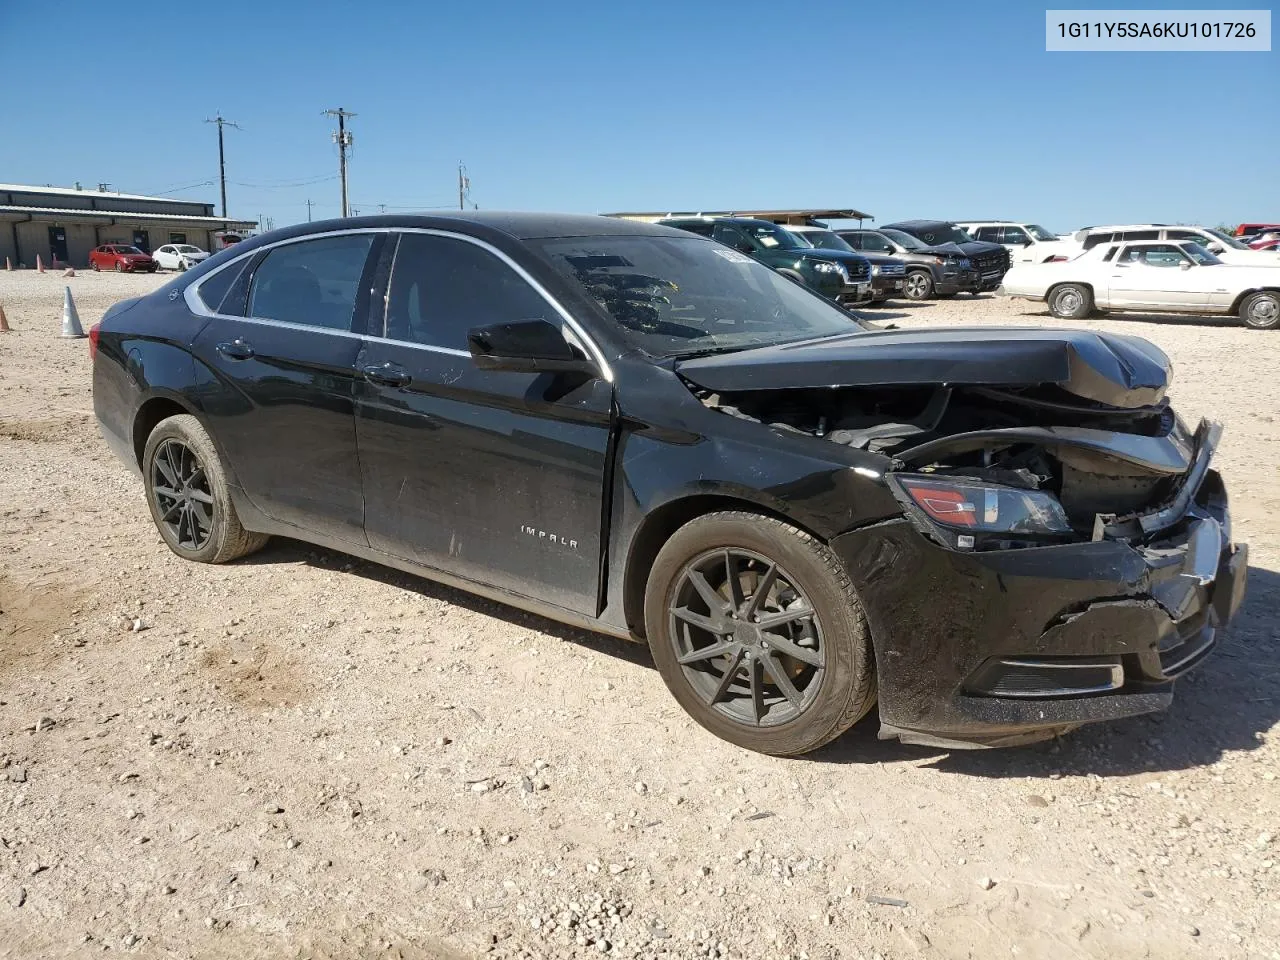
<point>990,260</point>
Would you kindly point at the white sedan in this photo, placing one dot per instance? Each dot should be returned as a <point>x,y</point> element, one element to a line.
<point>179,256</point>
<point>1150,276</point>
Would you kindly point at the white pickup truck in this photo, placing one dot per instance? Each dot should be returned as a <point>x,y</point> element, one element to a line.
<point>1026,242</point>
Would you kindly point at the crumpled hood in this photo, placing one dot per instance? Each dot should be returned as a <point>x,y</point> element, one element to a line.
<point>1120,371</point>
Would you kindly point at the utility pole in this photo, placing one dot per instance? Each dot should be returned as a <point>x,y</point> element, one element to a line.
<point>309,202</point>
<point>222,157</point>
<point>343,139</point>
<point>464,186</point>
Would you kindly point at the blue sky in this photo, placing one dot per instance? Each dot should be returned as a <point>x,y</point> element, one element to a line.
<point>922,109</point>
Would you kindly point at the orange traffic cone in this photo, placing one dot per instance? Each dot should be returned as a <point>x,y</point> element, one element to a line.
<point>4,322</point>
<point>39,264</point>
<point>71,272</point>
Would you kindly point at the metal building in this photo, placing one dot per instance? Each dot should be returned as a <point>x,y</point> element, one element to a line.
<point>62,224</point>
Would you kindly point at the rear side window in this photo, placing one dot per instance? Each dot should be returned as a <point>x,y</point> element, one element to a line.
<point>214,290</point>
<point>990,234</point>
<point>441,288</point>
<point>315,283</point>
<point>1093,239</point>
<point>1140,235</point>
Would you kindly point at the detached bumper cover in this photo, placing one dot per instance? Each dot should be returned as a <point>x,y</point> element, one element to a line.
<point>945,624</point>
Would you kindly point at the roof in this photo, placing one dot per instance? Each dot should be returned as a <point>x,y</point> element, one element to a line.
<point>73,192</point>
<point>1143,226</point>
<point>778,216</point>
<point>72,214</point>
<point>918,223</point>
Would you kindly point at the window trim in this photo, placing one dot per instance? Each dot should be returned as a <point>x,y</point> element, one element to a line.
<point>198,307</point>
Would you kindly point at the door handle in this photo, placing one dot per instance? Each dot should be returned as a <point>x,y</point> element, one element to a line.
<point>236,349</point>
<point>388,374</point>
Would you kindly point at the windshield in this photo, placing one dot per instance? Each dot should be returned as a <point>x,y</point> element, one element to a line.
<point>188,248</point>
<point>944,233</point>
<point>129,250</point>
<point>1230,242</point>
<point>1039,232</point>
<point>677,297</point>
<point>905,240</point>
<point>1199,254</point>
<point>825,240</point>
<point>773,237</point>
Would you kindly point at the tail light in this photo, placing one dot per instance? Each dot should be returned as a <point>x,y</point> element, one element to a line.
<point>94,331</point>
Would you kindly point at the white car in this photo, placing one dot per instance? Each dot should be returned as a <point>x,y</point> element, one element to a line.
<point>1149,276</point>
<point>1227,249</point>
<point>1026,242</point>
<point>179,256</point>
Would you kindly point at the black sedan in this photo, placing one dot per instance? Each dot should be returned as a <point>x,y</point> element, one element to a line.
<point>995,534</point>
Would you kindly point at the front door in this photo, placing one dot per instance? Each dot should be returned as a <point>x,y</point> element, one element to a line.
<point>142,240</point>
<point>492,476</point>
<point>58,244</point>
<point>278,382</point>
<point>1156,276</point>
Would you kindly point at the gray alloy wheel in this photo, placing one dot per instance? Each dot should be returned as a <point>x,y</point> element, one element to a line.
<point>187,493</point>
<point>1261,311</point>
<point>918,285</point>
<point>757,632</point>
<point>1071,301</point>
<point>119,266</point>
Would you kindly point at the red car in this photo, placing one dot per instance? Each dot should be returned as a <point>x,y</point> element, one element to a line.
<point>121,258</point>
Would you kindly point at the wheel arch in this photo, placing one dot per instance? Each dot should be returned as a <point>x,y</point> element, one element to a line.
<point>1071,283</point>
<point>157,407</point>
<point>660,524</point>
<point>1239,300</point>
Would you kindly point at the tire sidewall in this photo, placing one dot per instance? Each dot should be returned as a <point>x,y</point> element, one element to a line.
<point>189,431</point>
<point>841,623</point>
<point>927,289</point>
<point>1247,307</point>
<point>1086,302</point>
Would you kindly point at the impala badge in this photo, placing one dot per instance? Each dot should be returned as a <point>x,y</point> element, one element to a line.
<point>550,538</point>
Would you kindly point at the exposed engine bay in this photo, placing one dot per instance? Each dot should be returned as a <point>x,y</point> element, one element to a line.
<point>1096,434</point>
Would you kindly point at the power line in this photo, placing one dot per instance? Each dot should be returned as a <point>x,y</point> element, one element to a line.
<point>286,185</point>
<point>343,139</point>
<point>222,159</point>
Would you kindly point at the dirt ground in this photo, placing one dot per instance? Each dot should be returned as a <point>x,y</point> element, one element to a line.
<point>304,755</point>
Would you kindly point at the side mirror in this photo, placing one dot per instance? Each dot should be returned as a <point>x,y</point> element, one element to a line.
<point>745,247</point>
<point>1215,249</point>
<point>526,346</point>
<point>1185,264</point>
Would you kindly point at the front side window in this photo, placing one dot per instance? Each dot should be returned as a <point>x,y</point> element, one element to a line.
<point>1013,235</point>
<point>990,234</point>
<point>731,236</point>
<point>441,288</point>
<point>1155,255</point>
<point>313,282</point>
<point>675,296</point>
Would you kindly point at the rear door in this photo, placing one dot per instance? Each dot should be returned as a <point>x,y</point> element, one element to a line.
<point>492,476</point>
<point>277,364</point>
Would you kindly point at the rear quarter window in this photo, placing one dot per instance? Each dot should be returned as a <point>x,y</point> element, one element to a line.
<point>214,290</point>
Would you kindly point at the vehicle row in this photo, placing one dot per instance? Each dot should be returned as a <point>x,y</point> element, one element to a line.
<point>126,258</point>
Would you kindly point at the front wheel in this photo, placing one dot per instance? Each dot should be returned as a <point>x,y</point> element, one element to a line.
<point>1261,311</point>
<point>918,285</point>
<point>119,267</point>
<point>1071,301</point>
<point>756,631</point>
<point>188,497</point>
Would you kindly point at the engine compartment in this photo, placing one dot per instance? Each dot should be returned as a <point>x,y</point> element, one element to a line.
<point>1088,454</point>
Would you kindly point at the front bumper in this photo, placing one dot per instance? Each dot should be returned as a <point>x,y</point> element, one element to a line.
<point>882,288</point>
<point>853,294</point>
<point>967,281</point>
<point>970,646</point>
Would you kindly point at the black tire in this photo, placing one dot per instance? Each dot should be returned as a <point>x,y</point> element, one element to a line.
<point>212,535</point>
<point>1070,301</point>
<point>1261,311</point>
<point>918,285</point>
<point>119,267</point>
<point>834,686</point>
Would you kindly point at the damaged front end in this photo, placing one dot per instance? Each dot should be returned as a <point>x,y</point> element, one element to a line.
<point>1064,550</point>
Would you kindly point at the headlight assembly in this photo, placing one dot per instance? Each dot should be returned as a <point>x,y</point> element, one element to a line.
<point>970,506</point>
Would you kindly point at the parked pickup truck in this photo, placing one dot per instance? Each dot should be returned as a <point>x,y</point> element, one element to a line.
<point>1026,242</point>
<point>844,277</point>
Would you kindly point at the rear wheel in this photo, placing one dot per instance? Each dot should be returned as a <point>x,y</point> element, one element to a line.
<point>918,285</point>
<point>187,494</point>
<point>1071,301</point>
<point>1261,311</point>
<point>758,634</point>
